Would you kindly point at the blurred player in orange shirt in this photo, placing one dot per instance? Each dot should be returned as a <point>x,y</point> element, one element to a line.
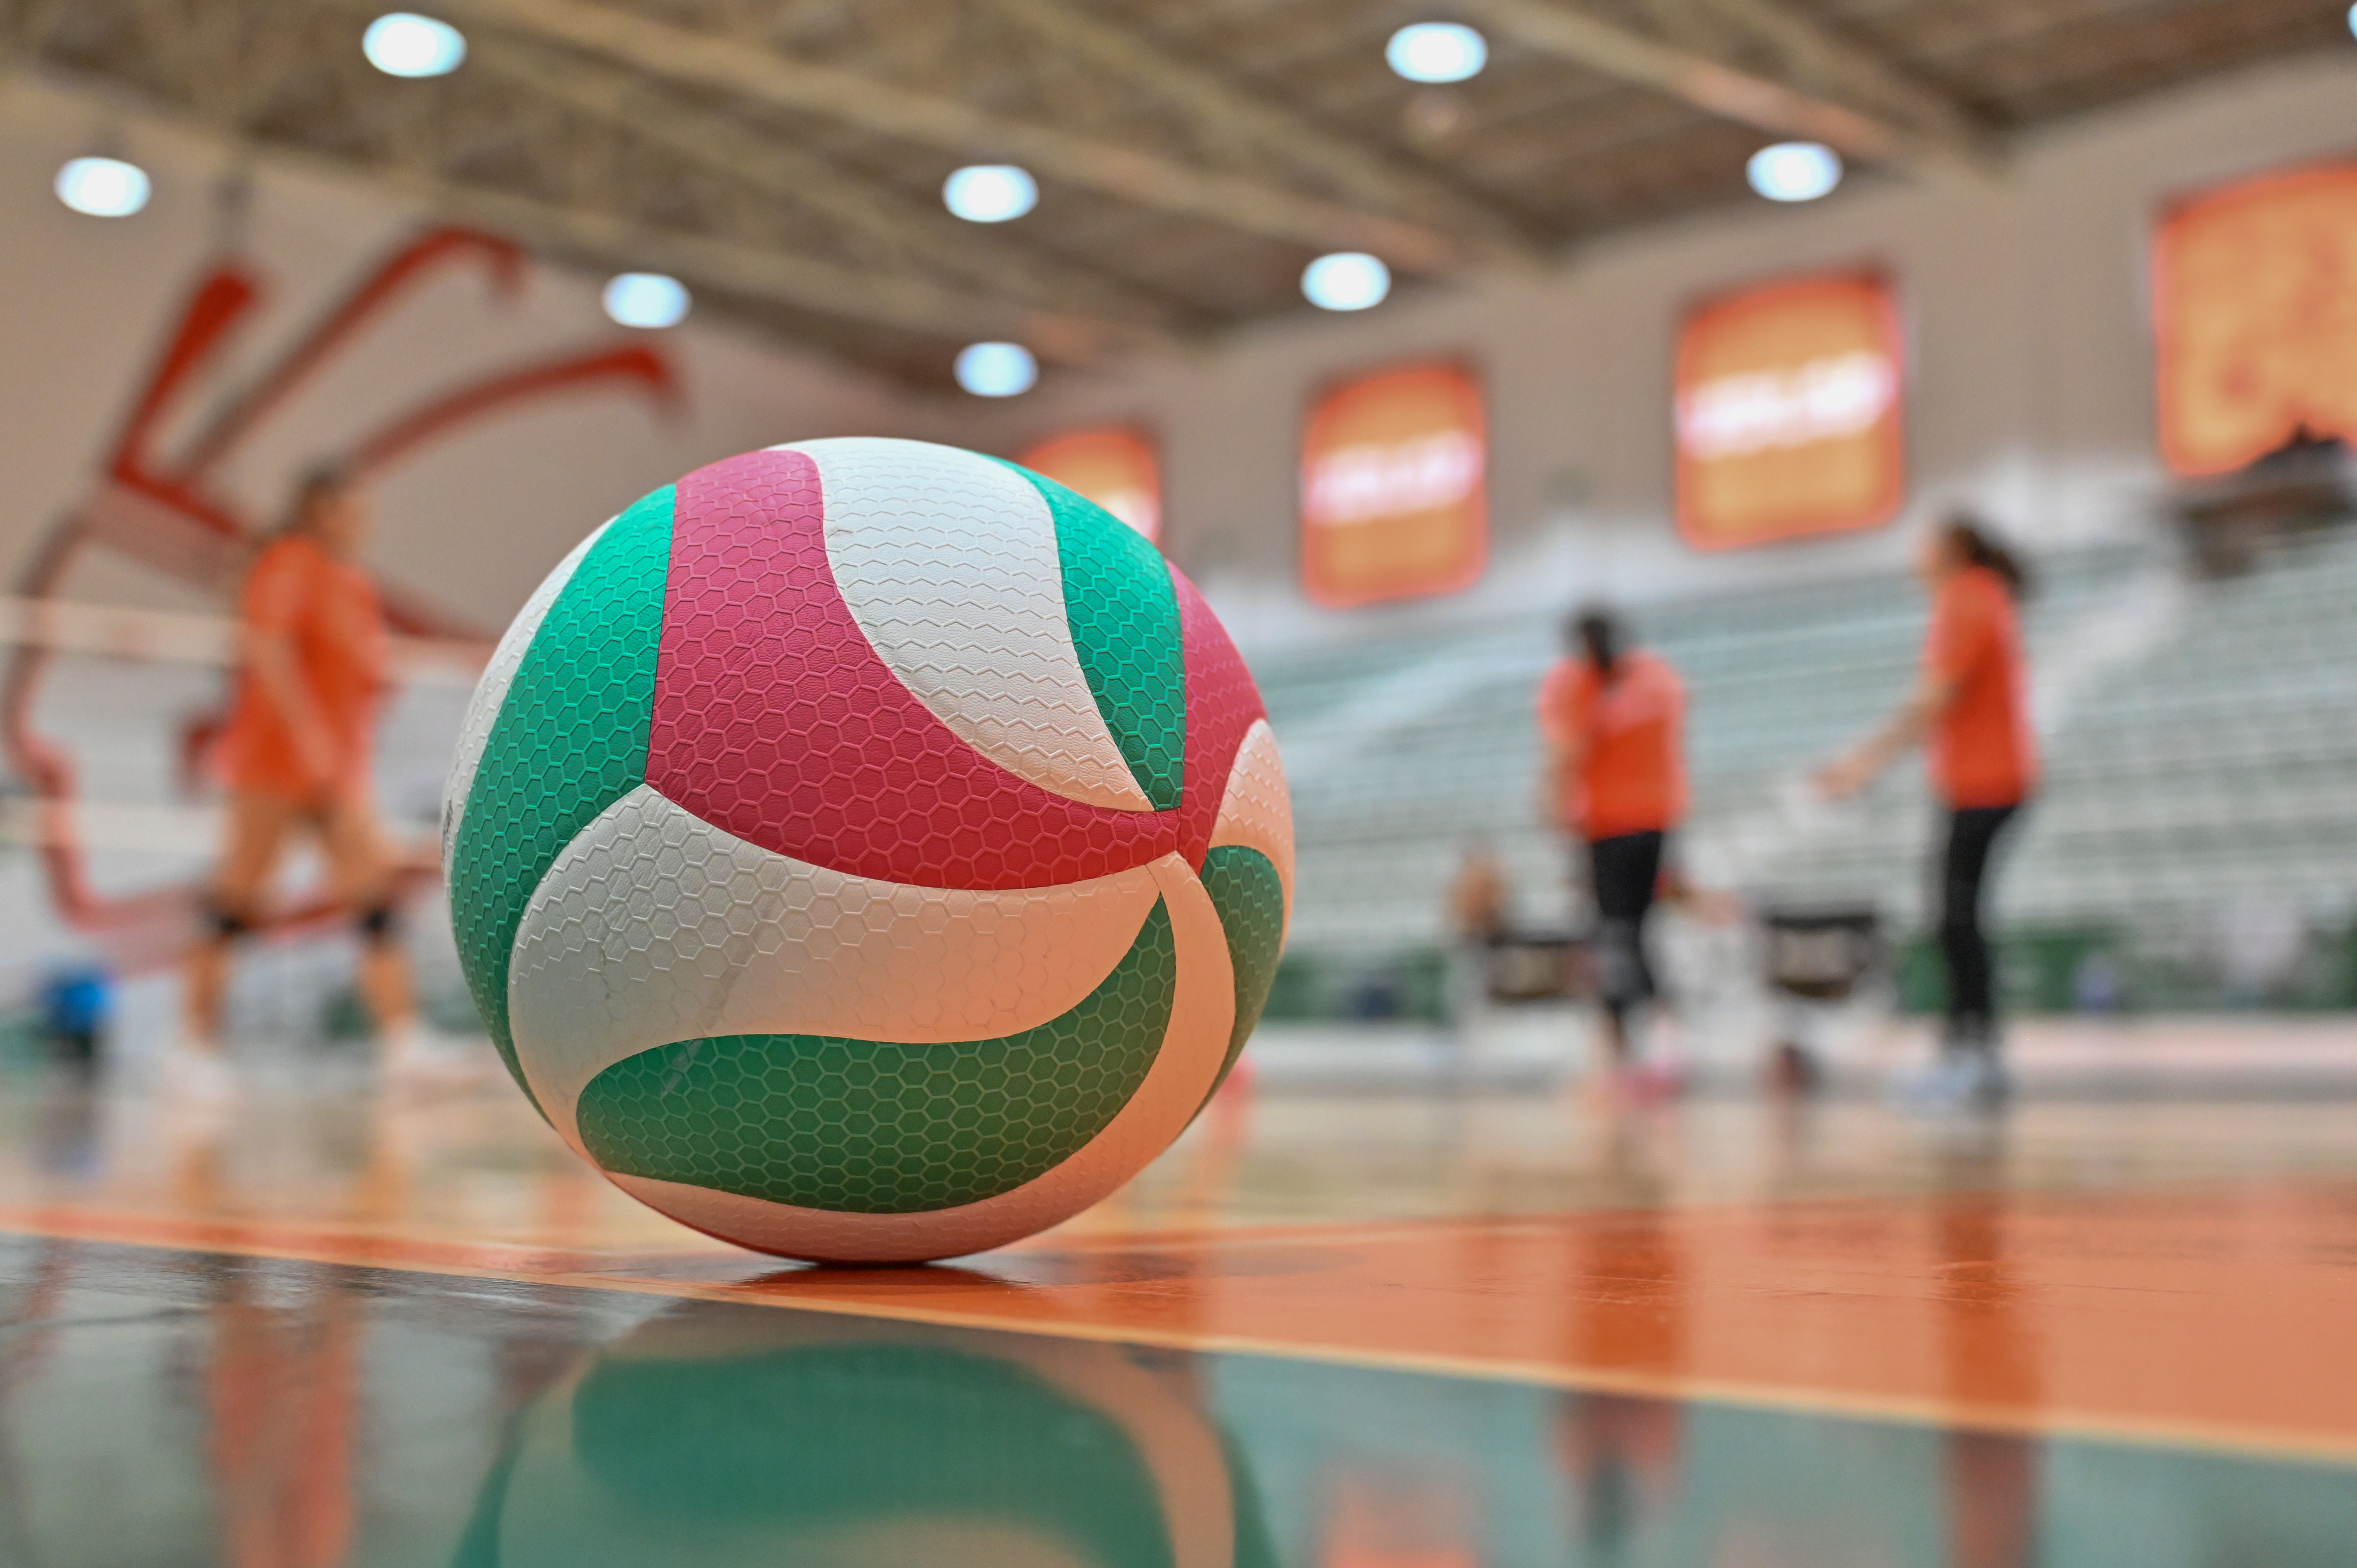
<point>296,755</point>
<point>1613,718</point>
<point>1971,702</point>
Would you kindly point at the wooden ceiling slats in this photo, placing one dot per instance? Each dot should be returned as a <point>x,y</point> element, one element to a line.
<point>1536,153</point>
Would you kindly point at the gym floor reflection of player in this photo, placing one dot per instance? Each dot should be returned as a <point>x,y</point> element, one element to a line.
<point>296,756</point>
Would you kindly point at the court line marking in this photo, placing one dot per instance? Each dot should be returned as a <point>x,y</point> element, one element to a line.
<point>249,1240</point>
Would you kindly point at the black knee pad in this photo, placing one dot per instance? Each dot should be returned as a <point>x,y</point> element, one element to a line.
<point>227,925</point>
<point>379,923</point>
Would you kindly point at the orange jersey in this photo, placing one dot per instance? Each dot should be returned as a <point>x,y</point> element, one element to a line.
<point>327,610</point>
<point>1982,751</point>
<point>1632,776</point>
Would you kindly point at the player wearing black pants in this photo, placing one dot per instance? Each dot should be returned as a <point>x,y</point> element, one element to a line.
<point>1624,872</point>
<point>1972,833</point>
<point>1614,719</point>
<point>1972,706</point>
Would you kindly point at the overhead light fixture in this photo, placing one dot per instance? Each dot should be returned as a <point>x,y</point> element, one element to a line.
<point>996,369</point>
<point>1347,280</point>
<point>990,193</point>
<point>1794,171</point>
<point>403,43</point>
<point>104,188</point>
<point>649,300</point>
<point>1437,51</point>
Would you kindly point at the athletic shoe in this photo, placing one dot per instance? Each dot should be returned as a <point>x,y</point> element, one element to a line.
<point>1651,1082</point>
<point>193,1072</point>
<point>1633,1086</point>
<point>1959,1081</point>
<point>414,1059</point>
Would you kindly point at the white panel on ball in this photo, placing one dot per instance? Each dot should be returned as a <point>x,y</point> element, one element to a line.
<point>1257,810</point>
<point>947,562</point>
<point>1202,1015</point>
<point>654,926</point>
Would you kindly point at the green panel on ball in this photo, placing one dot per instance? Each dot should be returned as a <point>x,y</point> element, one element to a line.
<point>875,1127</point>
<point>570,740</point>
<point>1124,615</point>
<point>1250,899</point>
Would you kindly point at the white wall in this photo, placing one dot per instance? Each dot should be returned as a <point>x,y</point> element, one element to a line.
<point>2026,305</point>
<point>2025,299</point>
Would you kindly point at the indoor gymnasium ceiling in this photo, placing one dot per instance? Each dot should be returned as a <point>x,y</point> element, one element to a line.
<point>785,158</point>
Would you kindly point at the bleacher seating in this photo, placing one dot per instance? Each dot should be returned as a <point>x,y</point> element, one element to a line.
<point>2201,745</point>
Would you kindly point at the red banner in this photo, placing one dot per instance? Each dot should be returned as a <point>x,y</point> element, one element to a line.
<point>2254,294</point>
<point>1394,493</point>
<point>1790,417</point>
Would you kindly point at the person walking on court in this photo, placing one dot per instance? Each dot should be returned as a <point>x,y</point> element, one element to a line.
<point>296,755</point>
<point>1972,704</point>
<point>1613,718</point>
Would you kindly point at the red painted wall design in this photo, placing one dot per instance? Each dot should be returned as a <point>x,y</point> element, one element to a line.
<point>160,508</point>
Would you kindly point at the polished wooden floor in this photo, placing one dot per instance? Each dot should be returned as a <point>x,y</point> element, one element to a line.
<point>1418,1329</point>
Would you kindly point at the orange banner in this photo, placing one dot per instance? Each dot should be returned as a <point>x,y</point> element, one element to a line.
<point>1394,495</point>
<point>1789,412</point>
<point>1116,467</point>
<point>2255,294</point>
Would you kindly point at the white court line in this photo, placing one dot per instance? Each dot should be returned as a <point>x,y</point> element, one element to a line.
<point>87,824</point>
<point>112,631</point>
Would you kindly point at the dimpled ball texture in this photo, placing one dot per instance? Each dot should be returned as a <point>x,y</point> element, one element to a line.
<point>868,851</point>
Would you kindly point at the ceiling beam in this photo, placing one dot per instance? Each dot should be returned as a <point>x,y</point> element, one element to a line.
<point>1362,174</point>
<point>908,303</point>
<point>723,142</point>
<point>912,303</point>
<point>1855,75</point>
<point>761,75</point>
<point>1743,95</point>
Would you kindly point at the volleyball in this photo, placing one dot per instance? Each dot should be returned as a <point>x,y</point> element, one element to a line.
<point>865,850</point>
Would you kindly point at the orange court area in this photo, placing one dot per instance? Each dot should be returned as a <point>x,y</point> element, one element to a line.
<point>2099,1270</point>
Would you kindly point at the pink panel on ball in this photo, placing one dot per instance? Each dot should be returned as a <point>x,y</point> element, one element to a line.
<point>1222,703</point>
<point>775,720</point>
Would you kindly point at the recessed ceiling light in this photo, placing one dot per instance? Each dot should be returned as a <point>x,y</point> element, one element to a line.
<point>104,188</point>
<point>1437,51</point>
<point>990,193</point>
<point>402,43</point>
<point>646,299</point>
<point>1347,280</point>
<point>1794,171</point>
<point>996,369</point>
